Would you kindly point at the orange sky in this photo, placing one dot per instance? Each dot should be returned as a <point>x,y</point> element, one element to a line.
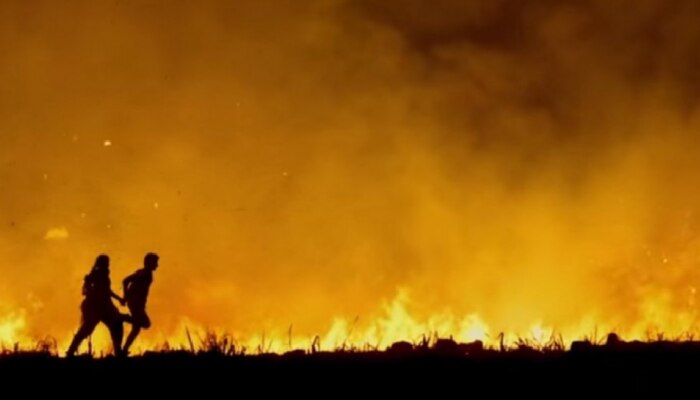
<point>530,162</point>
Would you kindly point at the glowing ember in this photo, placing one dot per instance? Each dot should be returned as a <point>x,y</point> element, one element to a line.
<point>56,234</point>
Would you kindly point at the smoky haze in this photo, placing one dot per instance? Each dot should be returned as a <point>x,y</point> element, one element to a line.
<point>295,162</point>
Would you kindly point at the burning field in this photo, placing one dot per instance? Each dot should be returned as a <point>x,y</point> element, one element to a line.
<point>346,175</point>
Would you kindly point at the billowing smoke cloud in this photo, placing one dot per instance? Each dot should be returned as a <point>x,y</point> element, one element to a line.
<point>292,163</point>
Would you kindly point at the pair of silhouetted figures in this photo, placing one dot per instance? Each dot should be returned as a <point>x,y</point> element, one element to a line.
<point>97,305</point>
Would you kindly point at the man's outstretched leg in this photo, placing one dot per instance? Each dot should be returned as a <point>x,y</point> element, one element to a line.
<point>135,329</point>
<point>139,320</point>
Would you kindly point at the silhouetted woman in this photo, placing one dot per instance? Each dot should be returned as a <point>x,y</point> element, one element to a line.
<point>97,307</point>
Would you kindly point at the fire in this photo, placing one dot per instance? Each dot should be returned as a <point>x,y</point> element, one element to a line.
<point>394,323</point>
<point>12,328</point>
<point>379,172</point>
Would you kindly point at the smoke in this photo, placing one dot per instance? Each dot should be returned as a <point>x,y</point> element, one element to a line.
<point>524,161</point>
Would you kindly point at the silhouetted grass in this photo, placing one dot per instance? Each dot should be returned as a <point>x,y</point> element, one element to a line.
<point>211,343</point>
<point>215,360</point>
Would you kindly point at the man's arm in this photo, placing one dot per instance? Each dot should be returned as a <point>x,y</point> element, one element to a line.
<point>126,282</point>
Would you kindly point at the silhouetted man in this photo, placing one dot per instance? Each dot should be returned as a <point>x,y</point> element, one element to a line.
<point>97,307</point>
<point>136,288</point>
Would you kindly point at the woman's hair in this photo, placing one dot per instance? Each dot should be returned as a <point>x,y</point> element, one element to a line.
<point>101,262</point>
